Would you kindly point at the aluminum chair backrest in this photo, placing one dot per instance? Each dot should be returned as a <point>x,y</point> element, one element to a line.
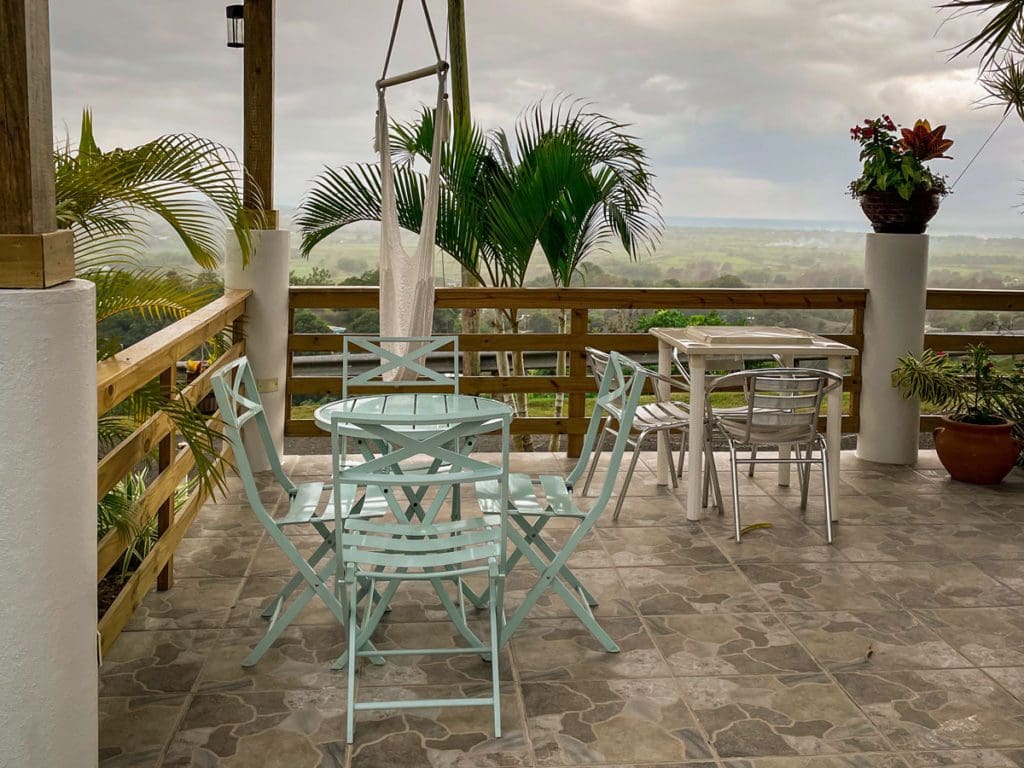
<point>618,396</point>
<point>239,402</point>
<point>401,363</point>
<point>782,404</point>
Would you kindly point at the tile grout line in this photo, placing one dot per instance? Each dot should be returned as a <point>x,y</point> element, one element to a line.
<point>824,668</point>
<point>686,704</point>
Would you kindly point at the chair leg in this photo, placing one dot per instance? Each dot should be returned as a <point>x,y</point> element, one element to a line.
<point>495,660</point>
<point>753,455</point>
<point>713,473</point>
<point>684,438</point>
<point>828,495</point>
<point>804,471</point>
<point>625,481</point>
<point>594,461</point>
<point>735,490</point>
<point>353,659</point>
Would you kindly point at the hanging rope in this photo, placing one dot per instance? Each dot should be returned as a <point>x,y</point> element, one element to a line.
<point>407,279</point>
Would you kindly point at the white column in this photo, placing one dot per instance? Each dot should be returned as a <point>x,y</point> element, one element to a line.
<point>266,326</point>
<point>896,276</point>
<point>48,662</point>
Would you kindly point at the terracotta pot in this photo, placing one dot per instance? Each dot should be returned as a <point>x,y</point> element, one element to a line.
<point>890,213</point>
<point>977,453</point>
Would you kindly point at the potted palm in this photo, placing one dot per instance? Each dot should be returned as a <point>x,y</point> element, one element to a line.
<point>897,192</point>
<point>979,439</point>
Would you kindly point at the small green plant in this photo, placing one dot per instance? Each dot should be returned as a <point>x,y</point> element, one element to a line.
<point>673,318</point>
<point>117,511</point>
<point>970,388</point>
<point>896,161</point>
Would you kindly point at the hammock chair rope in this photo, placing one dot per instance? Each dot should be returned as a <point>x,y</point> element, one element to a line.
<point>407,280</point>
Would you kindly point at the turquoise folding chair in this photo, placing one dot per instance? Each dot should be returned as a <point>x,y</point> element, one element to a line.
<point>398,364</point>
<point>415,546</point>
<point>621,386</point>
<point>234,386</point>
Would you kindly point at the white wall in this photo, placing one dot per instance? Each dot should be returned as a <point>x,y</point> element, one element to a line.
<point>48,663</point>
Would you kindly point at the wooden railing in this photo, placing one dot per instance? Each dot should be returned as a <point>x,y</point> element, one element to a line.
<point>977,301</point>
<point>579,302</point>
<point>118,378</point>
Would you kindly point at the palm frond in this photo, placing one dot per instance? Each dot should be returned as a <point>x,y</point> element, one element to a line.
<point>145,292</point>
<point>998,31</point>
<point>190,182</point>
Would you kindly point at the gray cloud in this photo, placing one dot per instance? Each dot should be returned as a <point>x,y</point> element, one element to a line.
<point>743,104</point>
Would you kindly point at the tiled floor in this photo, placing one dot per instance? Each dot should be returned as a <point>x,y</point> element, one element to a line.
<point>902,646</point>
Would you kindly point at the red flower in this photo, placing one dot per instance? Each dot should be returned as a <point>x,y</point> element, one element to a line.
<point>924,143</point>
<point>867,133</point>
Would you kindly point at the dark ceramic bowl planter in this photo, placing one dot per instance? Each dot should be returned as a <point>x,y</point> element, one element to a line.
<point>977,453</point>
<point>891,214</point>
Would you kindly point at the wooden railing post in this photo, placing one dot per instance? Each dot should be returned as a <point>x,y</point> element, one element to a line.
<point>165,457</point>
<point>289,367</point>
<point>579,326</point>
<point>855,368</point>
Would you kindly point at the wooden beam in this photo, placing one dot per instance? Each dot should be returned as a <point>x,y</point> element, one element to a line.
<point>26,120</point>
<point>32,253</point>
<point>258,106</point>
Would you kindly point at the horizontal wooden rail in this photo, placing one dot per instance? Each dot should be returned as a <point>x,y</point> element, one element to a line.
<point>1000,344</point>
<point>344,297</point>
<point>118,378</point>
<point>580,302</point>
<point>142,579</point>
<point>974,299</point>
<point>121,375</point>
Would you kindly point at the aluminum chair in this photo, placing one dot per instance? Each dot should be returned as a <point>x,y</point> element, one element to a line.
<point>234,386</point>
<point>532,504</point>
<point>663,415</point>
<point>782,407</point>
<point>715,367</point>
<point>414,546</point>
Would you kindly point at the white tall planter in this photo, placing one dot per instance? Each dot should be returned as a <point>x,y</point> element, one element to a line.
<point>266,326</point>
<point>48,669</point>
<point>896,276</point>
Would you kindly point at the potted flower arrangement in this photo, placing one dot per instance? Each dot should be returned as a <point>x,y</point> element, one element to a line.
<point>897,191</point>
<point>976,442</point>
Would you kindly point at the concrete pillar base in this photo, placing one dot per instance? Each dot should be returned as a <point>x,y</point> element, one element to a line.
<point>48,669</point>
<point>266,327</point>
<point>896,276</point>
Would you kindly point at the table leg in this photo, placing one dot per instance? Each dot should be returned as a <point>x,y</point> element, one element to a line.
<point>664,453</point>
<point>695,461</point>
<point>785,450</point>
<point>834,433</point>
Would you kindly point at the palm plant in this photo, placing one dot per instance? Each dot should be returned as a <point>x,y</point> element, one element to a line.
<point>1000,44</point>
<point>567,180</point>
<point>107,199</point>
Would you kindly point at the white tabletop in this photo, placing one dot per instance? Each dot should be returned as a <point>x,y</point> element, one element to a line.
<point>800,343</point>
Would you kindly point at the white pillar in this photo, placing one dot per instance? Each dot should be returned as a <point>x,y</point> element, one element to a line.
<point>266,326</point>
<point>48,662</point>
<point>896,276</point>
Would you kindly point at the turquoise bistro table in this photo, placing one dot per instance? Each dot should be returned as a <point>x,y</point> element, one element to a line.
<point>427,438</point>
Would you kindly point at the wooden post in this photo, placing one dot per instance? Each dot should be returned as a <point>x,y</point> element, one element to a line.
<point>579,327</point>
<point>258,87</point>
<point>32,254</point>
<point>463,121</point>
<point>165,514</point>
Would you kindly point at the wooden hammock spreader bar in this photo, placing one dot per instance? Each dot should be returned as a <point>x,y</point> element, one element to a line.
<point>434,69</point>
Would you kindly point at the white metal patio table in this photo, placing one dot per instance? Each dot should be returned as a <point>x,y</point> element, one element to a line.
<point>699,344</point>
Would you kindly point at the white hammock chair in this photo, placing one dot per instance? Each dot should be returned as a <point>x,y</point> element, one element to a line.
<point>407,280</point>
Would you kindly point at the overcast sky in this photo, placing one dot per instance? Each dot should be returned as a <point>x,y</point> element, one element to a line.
<point>743,105</point>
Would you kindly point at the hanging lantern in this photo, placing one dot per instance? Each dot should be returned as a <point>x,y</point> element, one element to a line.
<point>236,26</point>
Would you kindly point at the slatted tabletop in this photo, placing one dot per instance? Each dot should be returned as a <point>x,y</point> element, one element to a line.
<point>409,412</point>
